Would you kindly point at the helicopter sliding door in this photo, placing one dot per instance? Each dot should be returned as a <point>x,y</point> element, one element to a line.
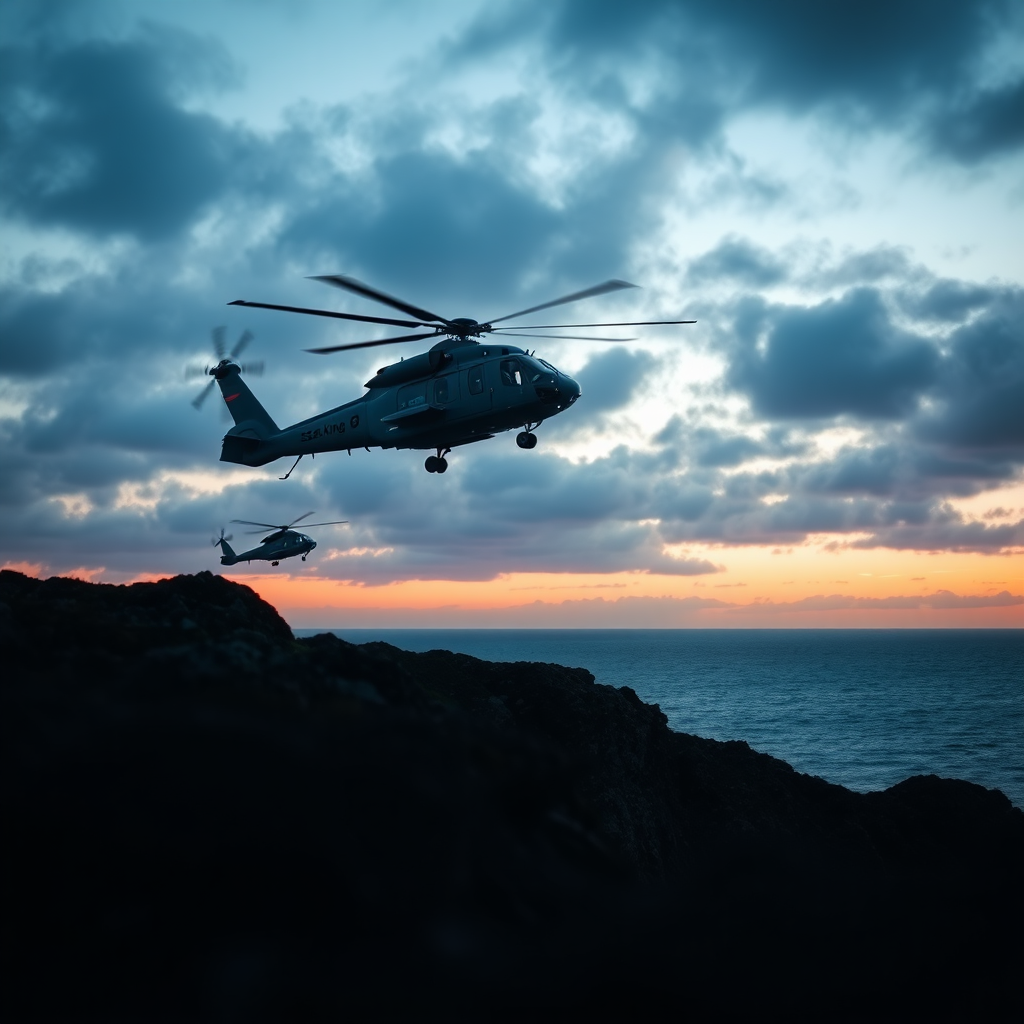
<point>476,391</point>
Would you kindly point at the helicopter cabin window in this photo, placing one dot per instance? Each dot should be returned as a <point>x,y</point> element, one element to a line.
<point>476,380</point>
<point>412,395</point>
<point>510,373</point>
<point>446,389</point>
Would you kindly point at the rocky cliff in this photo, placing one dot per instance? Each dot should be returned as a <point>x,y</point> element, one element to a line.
<point>206,818</point>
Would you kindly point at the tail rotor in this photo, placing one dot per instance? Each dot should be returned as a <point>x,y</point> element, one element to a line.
<point>220,351</point>
<point>219,540</point>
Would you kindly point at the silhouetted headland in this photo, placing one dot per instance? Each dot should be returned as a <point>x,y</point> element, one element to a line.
<point>207,819</point>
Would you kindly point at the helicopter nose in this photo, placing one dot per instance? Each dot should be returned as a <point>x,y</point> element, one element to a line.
<point>570,389</point>
<point>312,544</point>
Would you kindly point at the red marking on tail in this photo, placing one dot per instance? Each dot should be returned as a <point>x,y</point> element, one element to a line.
<point>231,398</point>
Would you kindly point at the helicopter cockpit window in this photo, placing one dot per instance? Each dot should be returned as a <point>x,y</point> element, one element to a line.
<point>476,380</point>
<point>537,371</point>
<point>510,373</point>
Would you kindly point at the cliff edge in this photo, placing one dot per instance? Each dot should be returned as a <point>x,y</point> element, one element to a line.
<point>208,819</point>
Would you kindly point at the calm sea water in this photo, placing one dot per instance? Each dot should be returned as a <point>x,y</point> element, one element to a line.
<point>862,708</point>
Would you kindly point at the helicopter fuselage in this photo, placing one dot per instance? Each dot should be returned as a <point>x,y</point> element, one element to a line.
<point>283,544</point>
<point>459,392</point>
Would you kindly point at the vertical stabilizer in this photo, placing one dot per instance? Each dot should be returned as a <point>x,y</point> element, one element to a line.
<point>228,557</point>
<point>243,405</point>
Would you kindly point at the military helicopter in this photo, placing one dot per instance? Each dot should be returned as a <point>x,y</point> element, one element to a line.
<point>282,542</point>
<point>468,387</point>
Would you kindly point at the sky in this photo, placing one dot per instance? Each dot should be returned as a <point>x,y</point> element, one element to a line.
<point>834,192</point>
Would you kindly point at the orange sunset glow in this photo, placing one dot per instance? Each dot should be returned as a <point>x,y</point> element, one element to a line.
<point>803,586</point>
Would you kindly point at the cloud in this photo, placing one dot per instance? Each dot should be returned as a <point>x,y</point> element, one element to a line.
<point>96,139</point>
<point>990,123</point>
<point>941,599</point>
<point>947,533</point>
<point>613,377</point>
<point>979,394</point>
<point>870,267</point>
<point>428,218</point>
<point>691,66</point>
<point>737,261</point>
<point>946,300</point>
<point>841,357</point>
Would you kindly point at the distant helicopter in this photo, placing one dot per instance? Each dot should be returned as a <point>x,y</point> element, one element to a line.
<point>462,390</point>
<point>282,542</point>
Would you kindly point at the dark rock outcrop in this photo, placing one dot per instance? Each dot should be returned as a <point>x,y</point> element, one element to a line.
<point>206,818</point>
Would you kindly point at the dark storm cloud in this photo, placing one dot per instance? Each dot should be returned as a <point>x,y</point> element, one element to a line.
<point>470,228</point>
<point>611,379</point>
<point>740,517</point>
<point>841,357</point>
<point>910,64</point>
<point>875,266</point>
<point>879,55</point>
<point>989,124</point>
<point>708,447</point>
<point>450,227</point>
<point>947,300</point>
<point>947,532</point>
<point>496,510</point>
<point>979,397</point>
<point>96,138</point>
<point>898,470</point>
<point>715,450</point>
<point>737,260</point>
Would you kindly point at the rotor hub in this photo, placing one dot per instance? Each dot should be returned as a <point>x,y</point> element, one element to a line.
<point>223,368</point>
<point>463,327</point>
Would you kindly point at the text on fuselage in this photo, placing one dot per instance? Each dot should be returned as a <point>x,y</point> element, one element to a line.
<point>325,431</point>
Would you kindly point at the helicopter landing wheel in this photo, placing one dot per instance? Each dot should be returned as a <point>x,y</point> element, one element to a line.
<point>303,557</point>
<point>526,440</point>
<point>437,463</point>
<point>275,563</point>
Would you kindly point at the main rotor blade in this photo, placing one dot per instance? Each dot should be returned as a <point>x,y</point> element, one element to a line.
<point>218,341</point>
<point>557,337</point>
<point>240,344</point>
<point>336,522</point>
<point>327,312</point>
<point>305,515</point>
<point>556,327</point>
<point>371,344</point>
<point>202,396</point>
<point>269,526</point>
<point>598,289</point>
<point>352,285</point>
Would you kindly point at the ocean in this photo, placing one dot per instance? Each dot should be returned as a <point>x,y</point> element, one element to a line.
<point>862,708</point>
